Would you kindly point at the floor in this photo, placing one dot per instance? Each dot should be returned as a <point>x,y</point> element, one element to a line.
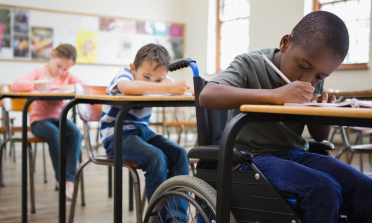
<point>99,208</point>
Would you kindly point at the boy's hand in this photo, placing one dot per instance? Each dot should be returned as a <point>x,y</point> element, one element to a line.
<point>295,92</point>
<point>323,98</point>
<point>190,88</point>
<point>178,87</point>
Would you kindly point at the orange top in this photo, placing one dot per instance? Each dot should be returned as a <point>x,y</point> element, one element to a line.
<point>42,110</point>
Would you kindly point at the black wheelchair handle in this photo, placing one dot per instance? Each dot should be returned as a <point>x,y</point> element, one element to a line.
<point>178,64</point>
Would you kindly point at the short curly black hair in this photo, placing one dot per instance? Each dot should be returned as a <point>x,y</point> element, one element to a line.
<point>322,29</point>
<point>153,53</point>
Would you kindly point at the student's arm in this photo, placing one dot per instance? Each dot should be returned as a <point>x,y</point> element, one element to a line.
<point>223,97</point>
<point>72,80</point>
<point>137,87</point>
<point>321,132</point>
<point>25,83</point>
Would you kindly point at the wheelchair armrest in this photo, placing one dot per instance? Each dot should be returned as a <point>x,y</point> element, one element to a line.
<point>211,153</point>
<point>320,147</point>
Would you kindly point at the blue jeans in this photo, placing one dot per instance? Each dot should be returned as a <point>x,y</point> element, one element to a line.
<point>158,157</point>
<point>49,131</point>
<point>325,186</point>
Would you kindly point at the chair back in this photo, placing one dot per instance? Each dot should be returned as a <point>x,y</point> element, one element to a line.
<point>12,104</point>
<point>89,112</point>
<point>210,123</point>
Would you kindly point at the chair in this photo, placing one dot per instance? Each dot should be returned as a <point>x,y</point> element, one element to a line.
<point>358,147</point>
<point>16,105</point>
<point>253,197</point>
<point>89,113</point>
<point>180,123</point>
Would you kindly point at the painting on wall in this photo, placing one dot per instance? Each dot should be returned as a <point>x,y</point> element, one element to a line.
<point>21,21</point>
<point>86,46</point>
<point>21,46</point>
<point>5,35</point>
<point>41,42</point>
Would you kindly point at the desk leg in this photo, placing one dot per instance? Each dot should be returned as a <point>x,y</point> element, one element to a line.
<point>118,165</point>
<point>62,159</point>
<point>24,160</point>
<point>225,166</point>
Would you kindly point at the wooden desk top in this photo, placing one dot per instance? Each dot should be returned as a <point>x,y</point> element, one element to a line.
<point>350,93</point>
<point>311,111</point>
<point>136,98</point>
<point>32,94</point>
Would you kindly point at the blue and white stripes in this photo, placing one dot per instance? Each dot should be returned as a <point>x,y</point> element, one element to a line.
<point>134,118</point>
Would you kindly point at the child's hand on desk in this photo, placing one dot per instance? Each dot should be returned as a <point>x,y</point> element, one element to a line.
<point>323,98</point>
<point>294,92</point>
<point>67,87</point>
<point>43,84</point>
<point>178,87</point>
<point>190,88</point>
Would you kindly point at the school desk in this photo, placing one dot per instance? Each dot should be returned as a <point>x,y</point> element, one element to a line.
<point>126,103</point>
<point>31,96</point>
<point>275,113</point>
<point>359,94</point>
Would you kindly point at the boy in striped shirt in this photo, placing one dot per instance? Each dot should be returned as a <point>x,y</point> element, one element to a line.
<point>158,157</point>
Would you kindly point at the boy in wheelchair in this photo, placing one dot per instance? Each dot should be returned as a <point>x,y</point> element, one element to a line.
<point>324,186</point>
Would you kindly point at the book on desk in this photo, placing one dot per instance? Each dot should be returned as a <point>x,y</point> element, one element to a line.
<point>354,103</point>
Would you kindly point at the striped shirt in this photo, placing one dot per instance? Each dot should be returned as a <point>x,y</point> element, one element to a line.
<point>135,117</point>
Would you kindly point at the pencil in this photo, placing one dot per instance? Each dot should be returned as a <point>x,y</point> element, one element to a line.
<point>276,69</point>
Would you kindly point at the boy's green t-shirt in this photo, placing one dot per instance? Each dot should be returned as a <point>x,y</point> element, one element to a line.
<point>250,71</point>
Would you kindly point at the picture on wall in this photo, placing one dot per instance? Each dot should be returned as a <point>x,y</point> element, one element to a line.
<point>107,24</point>
<point>41,42</point>
<point>126,26</point>
<point>144,28</point>
<point>64,35</point>
<point>5,17</point>
<point>86,46</point>
<point>176,48</point>
<point>21,21</point>
<point>21,46</point>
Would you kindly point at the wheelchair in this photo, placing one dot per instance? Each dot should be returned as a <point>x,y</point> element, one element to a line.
<point>253,198</point>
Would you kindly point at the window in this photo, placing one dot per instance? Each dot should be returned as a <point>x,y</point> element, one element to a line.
<point>232,28</point>
<point>356,14</point>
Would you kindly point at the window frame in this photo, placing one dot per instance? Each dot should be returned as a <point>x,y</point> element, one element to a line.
<point>353,66</point>
<point>218,35</point>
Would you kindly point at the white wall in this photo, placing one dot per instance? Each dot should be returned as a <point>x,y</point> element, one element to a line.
<point>270,20</point>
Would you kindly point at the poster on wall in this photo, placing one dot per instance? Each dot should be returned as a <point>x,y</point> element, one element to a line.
<point>160,29</point>
<point>21,46</point>
<point>64,35</point>
<point>41,42</point>
<point>176,31</point>
<point>107,24</point>
<point>126,26</point>
<point>125,48</point>
<point>176,48</point>
<point>21,21</point>
<point>144,28</point>
<point>86,46</point>
<point>5,38</point>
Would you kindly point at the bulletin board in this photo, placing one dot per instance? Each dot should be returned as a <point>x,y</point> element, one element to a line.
<point>30,35</point>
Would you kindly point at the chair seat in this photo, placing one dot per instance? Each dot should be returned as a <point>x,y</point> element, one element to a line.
<point>14,129</point>
<point>211,153</point>
<point>30,138</point>
<point>188,123</point>
<point>364,148</point>
<point>363,130</point>
<point>105,160</point>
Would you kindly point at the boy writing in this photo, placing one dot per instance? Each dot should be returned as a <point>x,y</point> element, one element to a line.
<point>159,157</point>
<point>325,186</point>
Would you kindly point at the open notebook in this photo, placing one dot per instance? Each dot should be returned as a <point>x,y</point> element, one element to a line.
<point>162,95</point>
<point>354,103</point>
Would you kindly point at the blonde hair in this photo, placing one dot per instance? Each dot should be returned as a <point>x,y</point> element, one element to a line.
<point>66,51</point>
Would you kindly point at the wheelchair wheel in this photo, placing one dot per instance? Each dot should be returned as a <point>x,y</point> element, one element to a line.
<point>200,196</point>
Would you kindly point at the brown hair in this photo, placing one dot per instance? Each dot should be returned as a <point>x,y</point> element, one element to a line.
<point>154,53</point>
<point>65,51</point>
